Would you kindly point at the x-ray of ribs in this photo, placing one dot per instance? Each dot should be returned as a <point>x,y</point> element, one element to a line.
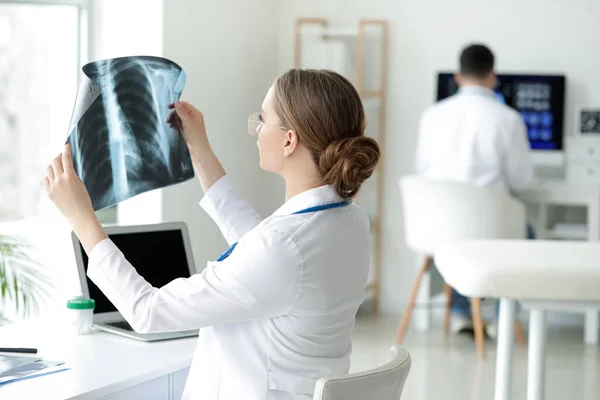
<point>122,145</point>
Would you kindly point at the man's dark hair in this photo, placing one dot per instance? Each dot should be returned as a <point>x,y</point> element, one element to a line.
<point>476,61</point>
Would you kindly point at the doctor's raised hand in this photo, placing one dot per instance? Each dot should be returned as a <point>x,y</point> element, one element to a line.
<point>69,195</point>
<point>188,120</point>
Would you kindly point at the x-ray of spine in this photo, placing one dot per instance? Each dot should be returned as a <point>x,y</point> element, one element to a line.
<point>121,143</point>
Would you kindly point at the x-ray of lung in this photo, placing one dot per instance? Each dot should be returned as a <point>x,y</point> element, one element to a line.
<point>121,144</point>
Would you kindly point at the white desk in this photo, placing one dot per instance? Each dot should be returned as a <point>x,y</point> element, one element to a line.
<point>542,275</point>
<point>561,193</point>
<point>102,365</point>
<point>543,195</point>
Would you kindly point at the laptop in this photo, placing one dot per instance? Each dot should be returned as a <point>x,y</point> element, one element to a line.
<point>172,260</point>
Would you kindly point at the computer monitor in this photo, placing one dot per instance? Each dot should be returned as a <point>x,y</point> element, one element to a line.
<point>540,99</point>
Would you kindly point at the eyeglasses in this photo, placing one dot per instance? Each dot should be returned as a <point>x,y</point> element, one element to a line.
<point>255,122</point>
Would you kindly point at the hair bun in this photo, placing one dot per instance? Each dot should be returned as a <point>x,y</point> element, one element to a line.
<point>346,163</point>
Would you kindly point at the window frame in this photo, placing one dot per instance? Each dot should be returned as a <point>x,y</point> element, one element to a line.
<point>83,18</point>
<point>83,50</point>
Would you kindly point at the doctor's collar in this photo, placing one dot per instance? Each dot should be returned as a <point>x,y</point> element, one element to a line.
<point>476,89</point>
<point>321,195</point>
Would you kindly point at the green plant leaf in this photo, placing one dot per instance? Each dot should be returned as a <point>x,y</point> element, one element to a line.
<point>22,280</point>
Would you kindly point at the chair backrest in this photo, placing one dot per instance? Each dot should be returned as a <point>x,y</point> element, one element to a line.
<point>382,383</point>
<point>437,212</point>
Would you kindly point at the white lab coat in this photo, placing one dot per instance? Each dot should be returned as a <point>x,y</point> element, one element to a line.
<point>276,315</point>
<point>472,137</point>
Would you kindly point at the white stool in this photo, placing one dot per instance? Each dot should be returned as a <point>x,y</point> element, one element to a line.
<point>542,275</point>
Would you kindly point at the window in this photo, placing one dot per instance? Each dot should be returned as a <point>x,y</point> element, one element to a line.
<point>42,44</point>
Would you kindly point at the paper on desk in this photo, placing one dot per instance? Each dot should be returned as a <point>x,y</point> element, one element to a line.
<point>45,371</point>
<point>10,363</point>
<point>121,144</point>
<point>26,367</point>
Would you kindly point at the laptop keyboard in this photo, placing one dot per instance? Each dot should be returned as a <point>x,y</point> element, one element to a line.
<point>121,324</point>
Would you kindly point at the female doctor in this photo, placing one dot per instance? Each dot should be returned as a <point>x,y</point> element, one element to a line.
<point>277,308</point>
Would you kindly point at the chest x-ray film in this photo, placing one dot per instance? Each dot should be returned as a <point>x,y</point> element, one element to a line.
<point>120,140</point>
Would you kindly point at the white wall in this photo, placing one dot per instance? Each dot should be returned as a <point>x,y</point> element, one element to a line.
<point>425,37</point>
<point>118,28</point>
<point>229,52</point>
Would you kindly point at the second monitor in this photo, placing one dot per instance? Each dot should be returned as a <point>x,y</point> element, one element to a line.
<point>540,99</point>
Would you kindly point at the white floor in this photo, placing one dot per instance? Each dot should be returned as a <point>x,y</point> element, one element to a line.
<point>448,368</point>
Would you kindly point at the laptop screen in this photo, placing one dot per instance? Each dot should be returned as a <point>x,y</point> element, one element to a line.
<point>158,256</point>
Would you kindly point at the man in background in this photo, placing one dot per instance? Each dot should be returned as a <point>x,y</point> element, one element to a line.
<point>472,137</point>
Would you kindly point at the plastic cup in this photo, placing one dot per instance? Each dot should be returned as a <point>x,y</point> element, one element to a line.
<point>81,311</point>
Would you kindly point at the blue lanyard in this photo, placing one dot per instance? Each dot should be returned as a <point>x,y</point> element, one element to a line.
<point>304,211</point>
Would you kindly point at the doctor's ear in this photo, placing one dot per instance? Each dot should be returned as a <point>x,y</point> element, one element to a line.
<point>291,143</point>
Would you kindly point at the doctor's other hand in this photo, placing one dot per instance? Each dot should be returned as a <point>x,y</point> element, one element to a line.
<point>67,191</point>
<point>190,122</point>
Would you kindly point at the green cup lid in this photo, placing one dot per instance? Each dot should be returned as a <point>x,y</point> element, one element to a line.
<point>81,304</point>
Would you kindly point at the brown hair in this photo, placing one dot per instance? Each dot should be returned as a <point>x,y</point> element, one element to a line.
<point>326,112</point>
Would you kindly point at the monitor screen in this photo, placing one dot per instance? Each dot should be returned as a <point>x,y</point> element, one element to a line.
<point>158,256</point>
<point>540,99</point>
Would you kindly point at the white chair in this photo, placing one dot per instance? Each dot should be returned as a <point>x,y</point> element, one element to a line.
<point>382,383</point>
<point>541,275</point>
<point>439,212</point>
